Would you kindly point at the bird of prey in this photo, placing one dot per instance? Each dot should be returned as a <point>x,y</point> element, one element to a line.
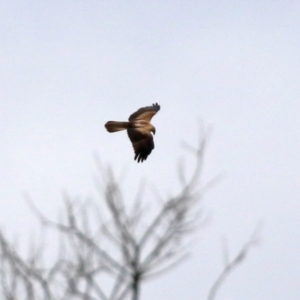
<point>139,130</point>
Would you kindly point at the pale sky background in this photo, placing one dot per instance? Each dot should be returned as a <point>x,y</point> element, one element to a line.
<point>68,66</point>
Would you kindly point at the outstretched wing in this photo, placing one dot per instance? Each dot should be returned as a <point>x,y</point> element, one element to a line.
<point>145,113</point>
<point>142,144</point>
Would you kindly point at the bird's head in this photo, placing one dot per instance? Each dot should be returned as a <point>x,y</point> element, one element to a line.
<point>153,129</point>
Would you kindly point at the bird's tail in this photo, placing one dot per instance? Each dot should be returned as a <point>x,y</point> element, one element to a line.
<point>113,126</point>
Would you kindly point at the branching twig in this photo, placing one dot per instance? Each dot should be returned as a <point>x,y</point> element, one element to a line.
<point>231,265</point>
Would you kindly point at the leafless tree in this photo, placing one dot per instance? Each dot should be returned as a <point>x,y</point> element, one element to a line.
<point>106,251</point>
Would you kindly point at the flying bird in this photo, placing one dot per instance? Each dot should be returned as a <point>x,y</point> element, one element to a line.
<point>139,130</point>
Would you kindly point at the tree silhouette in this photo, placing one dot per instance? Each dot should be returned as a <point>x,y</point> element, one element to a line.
<point>122,246</point>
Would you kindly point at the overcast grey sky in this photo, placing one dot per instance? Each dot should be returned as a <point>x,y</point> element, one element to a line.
<point>67,67</point>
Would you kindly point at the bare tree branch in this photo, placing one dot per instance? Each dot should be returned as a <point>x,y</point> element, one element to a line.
<point>231,265</point>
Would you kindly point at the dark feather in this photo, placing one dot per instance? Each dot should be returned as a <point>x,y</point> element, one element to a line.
<point>142,144</point>
<point>143,148</point>
<point>145,113</point>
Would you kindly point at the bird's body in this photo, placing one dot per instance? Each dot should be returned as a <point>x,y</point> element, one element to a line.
<point>139,130</point>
